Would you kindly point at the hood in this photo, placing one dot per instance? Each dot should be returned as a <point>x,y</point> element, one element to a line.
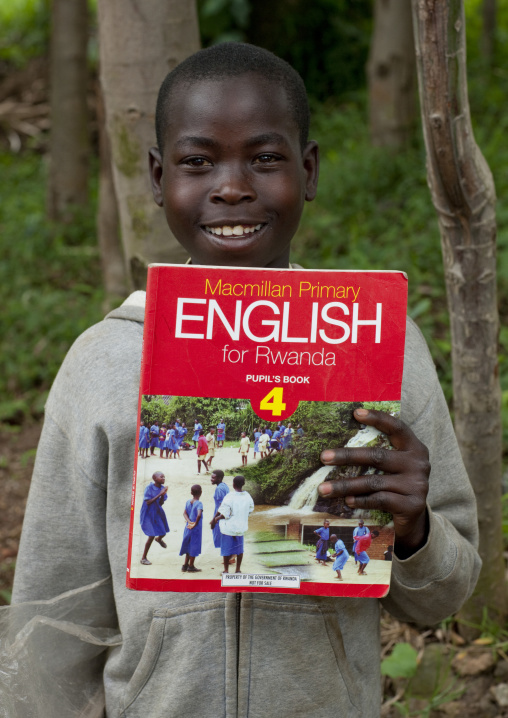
<point>132,309</point>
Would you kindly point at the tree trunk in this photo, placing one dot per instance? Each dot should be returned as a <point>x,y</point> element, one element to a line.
<point>108,223</point>
<point>69,139</point>
<point>391,74</point>
<point>140,42</point>
<point>463,194</point>
<point>489,13</point>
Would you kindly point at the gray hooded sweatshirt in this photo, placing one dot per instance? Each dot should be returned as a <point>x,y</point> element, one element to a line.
<point>78,640</point>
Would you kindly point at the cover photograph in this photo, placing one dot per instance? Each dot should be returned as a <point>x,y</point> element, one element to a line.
<point>247,376</point>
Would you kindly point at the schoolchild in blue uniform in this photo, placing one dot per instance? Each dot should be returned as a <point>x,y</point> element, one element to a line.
<point>144,440</point>
<point>162,440</point>
<point>274,442</point>
<point>153,517</point>
<point>154,437</point>
<point>193,532</point>
<point>221,489</point>
<point>363,556</point>
<point>197,429</point>
<point>322,544</point>
<point>360,530</point>
<point>221,433</point>
<point>257,434</point>
<point>170,444</point>
<point>180,435</point>
<point>341,555</point>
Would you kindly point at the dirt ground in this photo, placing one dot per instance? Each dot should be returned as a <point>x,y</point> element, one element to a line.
<point>454,679</point>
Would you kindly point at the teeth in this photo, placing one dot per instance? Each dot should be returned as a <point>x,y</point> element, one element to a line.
<point>238,230</point>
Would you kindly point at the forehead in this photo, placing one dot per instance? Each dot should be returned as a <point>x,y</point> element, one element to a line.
<point>229,107</point>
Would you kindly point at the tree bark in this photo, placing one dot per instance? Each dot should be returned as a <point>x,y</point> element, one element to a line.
<point>108,222</point>
<point>69,139</point>
<point>463,194</point>
<point>489,15</point>
<point>391,75</point>
<point>140,42</point>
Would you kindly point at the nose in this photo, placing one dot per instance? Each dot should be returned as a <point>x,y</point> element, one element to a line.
<point>233,186</point>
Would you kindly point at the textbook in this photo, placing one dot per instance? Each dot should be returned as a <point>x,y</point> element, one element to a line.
<point>247,376</point>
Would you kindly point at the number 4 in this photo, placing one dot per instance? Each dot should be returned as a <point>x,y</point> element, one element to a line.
<point>273,402</point>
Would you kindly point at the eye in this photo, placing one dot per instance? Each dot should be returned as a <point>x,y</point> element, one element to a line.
<point>196,162</point>
<point>267,158</point>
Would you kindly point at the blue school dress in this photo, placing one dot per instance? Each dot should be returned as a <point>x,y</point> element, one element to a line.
<point>322,544</point>
<point>221,490</point>
<point>269,432</point>
<point>162,438</point>
<point>171,441</point>
<point>182,430</point>
<point>144,434</point>
<point>221,431</point>
<point>154,434</point>
<point>197,429</point>
<point>257,434</point>
<point>191,543</point>
<point>153,517</point>
<point>359,531</point>
<point>340,561</point>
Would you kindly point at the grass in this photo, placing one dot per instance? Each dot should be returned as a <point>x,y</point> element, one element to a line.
<point>50,285</point>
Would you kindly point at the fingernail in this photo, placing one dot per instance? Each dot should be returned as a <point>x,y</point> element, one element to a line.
<point>325,489</point>
<point>327,455</point>
<point>350,501</point>
<point>361,412</point>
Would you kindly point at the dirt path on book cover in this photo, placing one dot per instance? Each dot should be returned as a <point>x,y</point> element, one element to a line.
<point>477,672</point>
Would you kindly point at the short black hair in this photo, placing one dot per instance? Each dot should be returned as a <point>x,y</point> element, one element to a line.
<point>231,59</point>
<point>238,481</point>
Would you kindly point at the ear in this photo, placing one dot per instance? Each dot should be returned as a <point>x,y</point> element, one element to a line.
<point>311,167</point>
<point>155,165</point>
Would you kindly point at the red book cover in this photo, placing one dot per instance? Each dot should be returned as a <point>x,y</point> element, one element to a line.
<point>247,375</point>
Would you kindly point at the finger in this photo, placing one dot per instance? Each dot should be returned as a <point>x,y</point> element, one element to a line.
<point>362,485</point>
<point>400,435</point>
<point>381,501</point>
<point>384,459</point>
<point>403,511</point>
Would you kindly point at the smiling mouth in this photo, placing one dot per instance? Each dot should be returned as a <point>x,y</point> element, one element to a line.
<point>238,230</point>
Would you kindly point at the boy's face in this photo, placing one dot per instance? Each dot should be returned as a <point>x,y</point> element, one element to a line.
<point>233,179</point>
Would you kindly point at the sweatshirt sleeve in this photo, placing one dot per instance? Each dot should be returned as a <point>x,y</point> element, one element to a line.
<point>63,590</point>
<point>435,582</point>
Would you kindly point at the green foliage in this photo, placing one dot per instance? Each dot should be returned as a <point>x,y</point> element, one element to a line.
<point>223,20</point>
<point>401,663</point>
<point>24,30</point>
<point>326,41</point>
<point>50,285</point>
<point>237,414</point>
<point>325,425</point>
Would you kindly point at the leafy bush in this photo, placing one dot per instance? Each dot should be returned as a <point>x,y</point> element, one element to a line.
<point>50,283</point>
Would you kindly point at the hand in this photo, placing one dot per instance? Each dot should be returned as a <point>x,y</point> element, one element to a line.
<point>401,490</point>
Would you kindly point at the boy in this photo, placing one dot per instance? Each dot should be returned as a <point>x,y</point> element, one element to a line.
<point>202,451</point>
<point>233,519</point>
<point>232,171</point>
<point>210,440</point>
<point>221,489</point>
<point>244,447</point>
